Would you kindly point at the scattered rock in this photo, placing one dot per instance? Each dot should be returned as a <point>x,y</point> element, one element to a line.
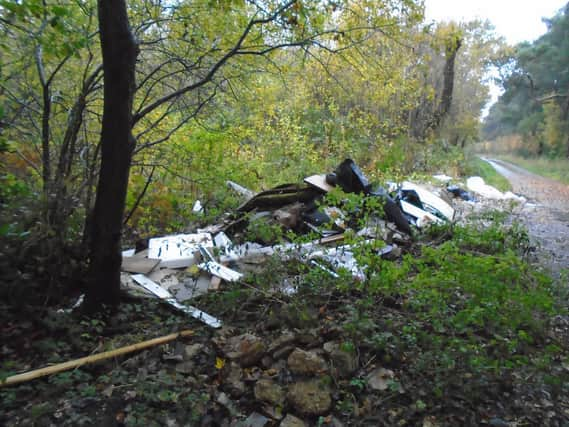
<point>274,412</point>
<point>292,421</point>
<point>283,352</point>
<point>379,379</point>
<point>329,346</point>
<point>226,402</point>
<point>344,363</point>
<point>185,368</point>
<point>247,349</point>
<point>190,351</point>
<point>266,362</point>
<point>283,340</point>
<point>310,397</point>
<point>233,383</point>
<point>269,391</point>
<point>255,420</point>
<point>305,362</point>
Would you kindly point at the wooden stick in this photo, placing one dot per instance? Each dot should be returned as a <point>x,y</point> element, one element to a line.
<point>60,367</point>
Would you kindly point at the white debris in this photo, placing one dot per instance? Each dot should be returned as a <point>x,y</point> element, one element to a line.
<point>477,184</point>
<point>167,297</point>
<point>423,218</point>
<point>443,178</point>
<point>221,271</point>
<point>198,208</point>
<point>179,250</point>
<point>128,253</point>
<point>223,242</point>
<point>430,200</point>
<point>245,192</point>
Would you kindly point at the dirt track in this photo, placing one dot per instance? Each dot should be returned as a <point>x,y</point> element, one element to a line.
<point>546,215</point>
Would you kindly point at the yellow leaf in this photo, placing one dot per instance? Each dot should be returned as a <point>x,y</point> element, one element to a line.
<point>219,363</point>
<point>193,270</point>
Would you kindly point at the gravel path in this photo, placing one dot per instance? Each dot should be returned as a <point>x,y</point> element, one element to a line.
<point>546,215</point>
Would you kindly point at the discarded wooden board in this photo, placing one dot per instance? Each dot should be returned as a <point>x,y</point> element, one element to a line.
<point>280,196</point>
<point>221,271</point>
<point>179,250</point>
<point>135,264</point>
<point>190,287</point>
<point>215,283</point>
<point>319,182</point>
<point>73,364</point>
<point>163,294</point>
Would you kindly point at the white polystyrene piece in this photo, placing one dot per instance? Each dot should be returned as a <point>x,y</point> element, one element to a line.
<point>178,251</point>
<point>220,271</point>
<point>423,217</point>
<point>430,199</point>
<point>163,294</point>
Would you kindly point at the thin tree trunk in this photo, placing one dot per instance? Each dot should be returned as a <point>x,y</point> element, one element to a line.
<point>119,51</point>
<point>45,130</point>
<point>445,103</point>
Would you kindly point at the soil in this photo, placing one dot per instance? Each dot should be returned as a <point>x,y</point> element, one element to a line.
<point>546,215</point>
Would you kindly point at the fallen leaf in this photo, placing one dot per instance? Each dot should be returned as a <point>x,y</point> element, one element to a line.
<point>219,363</point>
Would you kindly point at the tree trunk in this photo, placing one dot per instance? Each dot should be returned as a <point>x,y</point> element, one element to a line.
<point>119,51</point>
<point>443,108</point>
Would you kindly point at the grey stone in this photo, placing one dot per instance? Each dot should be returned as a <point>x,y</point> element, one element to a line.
<point>190,351</point>
<point>246,349</point>
<point>310,397</point>
<point>344,363</point>
<point>255,420</point>
<point>282,341</point>
<point>292,421</point>
<point>282,352</point>
<point>306,362</point>
<point>379,379</point>
<point>226,402</point>
<point>269,391</point>
<point>185,368</point>
<point>233,383</point>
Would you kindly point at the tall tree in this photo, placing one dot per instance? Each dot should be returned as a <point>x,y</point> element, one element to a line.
<point>258,30</point>
<point>535,102</point>
<point>119,51</point>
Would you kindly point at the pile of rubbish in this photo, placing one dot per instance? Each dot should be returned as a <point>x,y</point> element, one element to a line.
<point>178,268</point>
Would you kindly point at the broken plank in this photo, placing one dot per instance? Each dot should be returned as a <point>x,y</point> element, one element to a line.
<point>134,264</point>
<point>163,294</point>
<point>215,283</point>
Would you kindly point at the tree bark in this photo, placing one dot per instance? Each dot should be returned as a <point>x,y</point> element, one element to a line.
<point>448,84</point>
<point>119,51</point>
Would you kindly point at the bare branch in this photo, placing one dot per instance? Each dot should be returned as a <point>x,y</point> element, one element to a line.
<point>215,67</point>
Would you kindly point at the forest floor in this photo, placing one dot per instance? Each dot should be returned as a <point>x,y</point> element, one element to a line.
<point>546,216</point>
<point>462,330</point>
